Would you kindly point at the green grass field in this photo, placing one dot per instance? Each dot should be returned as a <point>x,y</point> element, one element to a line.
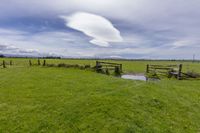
<point>42,99</point>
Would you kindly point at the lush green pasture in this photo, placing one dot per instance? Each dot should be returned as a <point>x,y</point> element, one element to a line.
<point>40,99</point>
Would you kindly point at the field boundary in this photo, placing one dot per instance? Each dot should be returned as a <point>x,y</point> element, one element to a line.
<point>102,66</point>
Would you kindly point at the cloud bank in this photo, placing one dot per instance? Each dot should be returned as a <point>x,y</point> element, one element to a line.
<point>152,29</point>
<point>99,28</point>
<point>10,49</point>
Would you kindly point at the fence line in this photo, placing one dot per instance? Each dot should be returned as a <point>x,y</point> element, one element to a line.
<point>4,63</point>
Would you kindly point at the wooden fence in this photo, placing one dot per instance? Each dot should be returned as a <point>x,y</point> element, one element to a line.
<point>106,66</point>
<point>169,70</point>
<point>38,63</point>
<point>4,63</point>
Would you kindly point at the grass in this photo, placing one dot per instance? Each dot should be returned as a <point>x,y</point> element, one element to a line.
<point>40,99</point>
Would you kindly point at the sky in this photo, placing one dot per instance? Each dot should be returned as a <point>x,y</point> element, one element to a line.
<point>131,29</point>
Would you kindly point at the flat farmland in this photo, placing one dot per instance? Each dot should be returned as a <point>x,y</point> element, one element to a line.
<point>53,99</point>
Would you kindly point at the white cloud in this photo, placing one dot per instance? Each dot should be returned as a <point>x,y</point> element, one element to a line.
<point>181,43</point>
<point>4,47</point>
<point>186,42</point>
<point>10,49</point>
<point>29,51</point>
<point>100,42</point>
<point>99,28</point>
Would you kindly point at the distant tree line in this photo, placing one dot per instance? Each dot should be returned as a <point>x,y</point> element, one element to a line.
<point>2,56</point>
<point>117,59</point>
<point>18,56</point>
<point>50,57</point>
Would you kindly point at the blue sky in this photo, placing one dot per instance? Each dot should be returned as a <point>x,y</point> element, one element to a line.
<point>150,29</point>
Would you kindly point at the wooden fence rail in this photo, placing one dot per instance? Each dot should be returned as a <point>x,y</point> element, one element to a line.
<point>4,63</point>
<point>169,70</point>
<point>106,66</point>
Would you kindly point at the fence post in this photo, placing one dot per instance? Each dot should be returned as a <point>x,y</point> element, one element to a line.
<point>179,72</point>
<point>11,63</point>
<point>44,63</point>
<point>107,71</point>
<point>121,68</point>
<point>30,63</point>
<point>147,69</point>
<point>97,65</point>
<point>117,70</point>
<point>4,64</point>
<point>38,62</point>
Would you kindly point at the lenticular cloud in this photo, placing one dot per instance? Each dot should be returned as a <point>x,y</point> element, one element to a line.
<point>99,28</point>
